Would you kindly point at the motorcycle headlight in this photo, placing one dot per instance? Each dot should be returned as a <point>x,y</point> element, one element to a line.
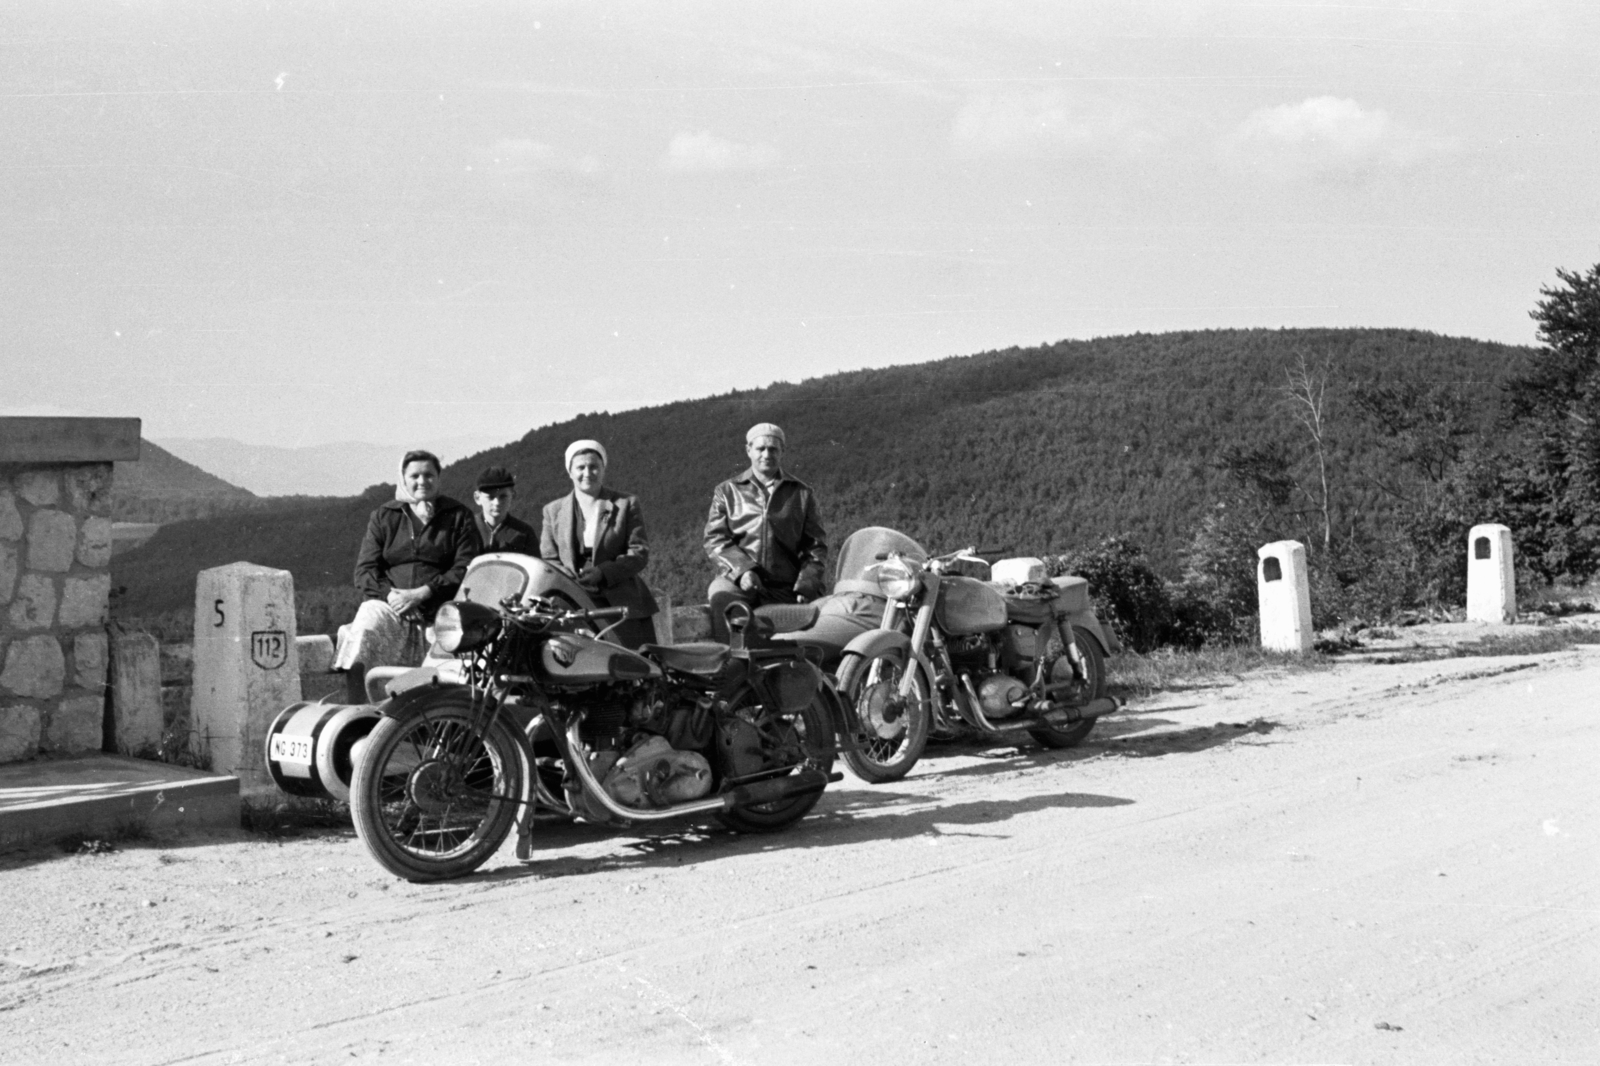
<point>463,625</point>
<point>896,580</point>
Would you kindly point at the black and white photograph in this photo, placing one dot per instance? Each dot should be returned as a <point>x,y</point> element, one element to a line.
<point>700,532</point>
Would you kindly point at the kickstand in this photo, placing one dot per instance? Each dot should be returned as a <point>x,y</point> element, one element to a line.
<point>525,832</point>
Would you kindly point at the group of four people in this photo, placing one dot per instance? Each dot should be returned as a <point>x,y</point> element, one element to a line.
<point>764,535</point>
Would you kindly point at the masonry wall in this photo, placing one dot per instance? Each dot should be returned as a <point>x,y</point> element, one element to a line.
<point>55,583</point>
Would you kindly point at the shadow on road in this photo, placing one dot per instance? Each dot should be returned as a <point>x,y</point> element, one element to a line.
<point>841,819</point>
<point>1185,741</point>
<point>1118,736</point>
<point>845,818</point>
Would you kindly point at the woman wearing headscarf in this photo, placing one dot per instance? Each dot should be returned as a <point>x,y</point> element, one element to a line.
<point>412,559</point>
<point>598,534</point>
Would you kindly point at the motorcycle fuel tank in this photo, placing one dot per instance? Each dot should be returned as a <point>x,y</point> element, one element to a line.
<point>577,658</point>
<point>967,605</point>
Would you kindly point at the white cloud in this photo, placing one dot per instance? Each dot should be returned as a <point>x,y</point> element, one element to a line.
<point>704,151</point>
<point>522,155</point>
<point>1328,135</point>
<point>1042,123</point>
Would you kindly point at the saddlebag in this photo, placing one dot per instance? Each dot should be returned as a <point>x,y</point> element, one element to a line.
<point>1072,593</point>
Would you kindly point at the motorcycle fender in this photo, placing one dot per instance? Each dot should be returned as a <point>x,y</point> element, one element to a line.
<point>423,677</point>
<point>1102,634</point>
<point>879,642</point>
<point>845,722</point>
<point>882,642</point>
<point>427,683</point>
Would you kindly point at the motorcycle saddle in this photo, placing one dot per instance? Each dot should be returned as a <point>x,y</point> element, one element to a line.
<point>698,657</point>
<point>785,617</point>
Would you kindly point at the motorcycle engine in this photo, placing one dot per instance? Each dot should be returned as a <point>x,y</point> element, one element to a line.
<point>615,716</point>
<point>606,713</point>
<point>652,773</point>
<point>996,692</point>
<point>970,652</point>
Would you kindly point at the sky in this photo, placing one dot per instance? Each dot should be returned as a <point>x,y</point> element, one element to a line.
<point>301,223</point>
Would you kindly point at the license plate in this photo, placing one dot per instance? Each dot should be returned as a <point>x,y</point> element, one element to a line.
<point>292,749</point>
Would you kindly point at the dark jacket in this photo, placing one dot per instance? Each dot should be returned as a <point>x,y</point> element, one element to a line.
<point>779,536</point>
<point>621,548</point>
<point>395,553</point>
<point>513,535</point>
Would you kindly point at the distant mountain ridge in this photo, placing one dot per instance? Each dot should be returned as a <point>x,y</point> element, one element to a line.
<point>341,469</point>
<point>160,487</point>
<point>1029,450</point>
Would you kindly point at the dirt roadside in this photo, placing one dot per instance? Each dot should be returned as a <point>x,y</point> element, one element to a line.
<point>1377,863</point>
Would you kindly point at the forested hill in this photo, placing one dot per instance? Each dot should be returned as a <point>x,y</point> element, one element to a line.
<point>1030,450</point>
<point>160,487</point>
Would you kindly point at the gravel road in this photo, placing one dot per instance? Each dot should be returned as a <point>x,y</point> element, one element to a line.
<point>1367,864</point>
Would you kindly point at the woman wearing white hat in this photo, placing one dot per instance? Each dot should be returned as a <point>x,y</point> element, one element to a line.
<point>599,534</point>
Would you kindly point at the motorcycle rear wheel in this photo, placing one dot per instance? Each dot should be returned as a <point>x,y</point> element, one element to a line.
<point>1091,688</point>
<point>809,728</point>
<point>878,757</point>
<point>435,792</point>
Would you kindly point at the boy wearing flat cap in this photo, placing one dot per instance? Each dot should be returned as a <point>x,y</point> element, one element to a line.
<point>498,529</point>
<point>764,533</point>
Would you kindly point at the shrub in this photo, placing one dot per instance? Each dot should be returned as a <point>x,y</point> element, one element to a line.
<point>1129,596</point>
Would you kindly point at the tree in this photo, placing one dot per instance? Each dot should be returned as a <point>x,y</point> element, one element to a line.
<point>1436,483</point>
<point>1430,427</point>
<point>1307,393</point>
<point>1551,487</point>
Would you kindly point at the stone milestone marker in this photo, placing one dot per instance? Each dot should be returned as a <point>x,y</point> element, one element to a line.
<point>1283,590</point>
<point>246,666</point>
<point>1491,575</point>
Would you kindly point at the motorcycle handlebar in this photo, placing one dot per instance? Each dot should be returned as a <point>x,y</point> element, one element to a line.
<point>543,612</point>
<point>952,555</point>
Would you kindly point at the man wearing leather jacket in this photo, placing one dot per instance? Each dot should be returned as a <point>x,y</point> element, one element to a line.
<point>764,534</point>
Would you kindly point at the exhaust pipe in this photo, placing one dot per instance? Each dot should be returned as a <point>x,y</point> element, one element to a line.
<point>1060,716</point>
<point>773,789</point>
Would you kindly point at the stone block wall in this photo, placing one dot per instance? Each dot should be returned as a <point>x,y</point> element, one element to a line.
<point>55,584</point>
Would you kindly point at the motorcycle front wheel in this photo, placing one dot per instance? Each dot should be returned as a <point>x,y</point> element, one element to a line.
<point>435,791</point>
<point>894,727</point>
<point>801,741</point>
<point>1091,686</point>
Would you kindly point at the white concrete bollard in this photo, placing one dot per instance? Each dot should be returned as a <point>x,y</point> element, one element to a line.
<point>1283,590</point>
<point>316,653</point>
<point>246,665</point>
<point>1491,576</point>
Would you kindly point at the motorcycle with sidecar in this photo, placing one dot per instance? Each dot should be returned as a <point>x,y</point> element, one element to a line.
<point>524,714</point>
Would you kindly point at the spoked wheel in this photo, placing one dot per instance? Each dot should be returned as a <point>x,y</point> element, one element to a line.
<point>757,738</point>
<point>1089,669</point>
<point>895,726</point>
<point>436,789</point>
